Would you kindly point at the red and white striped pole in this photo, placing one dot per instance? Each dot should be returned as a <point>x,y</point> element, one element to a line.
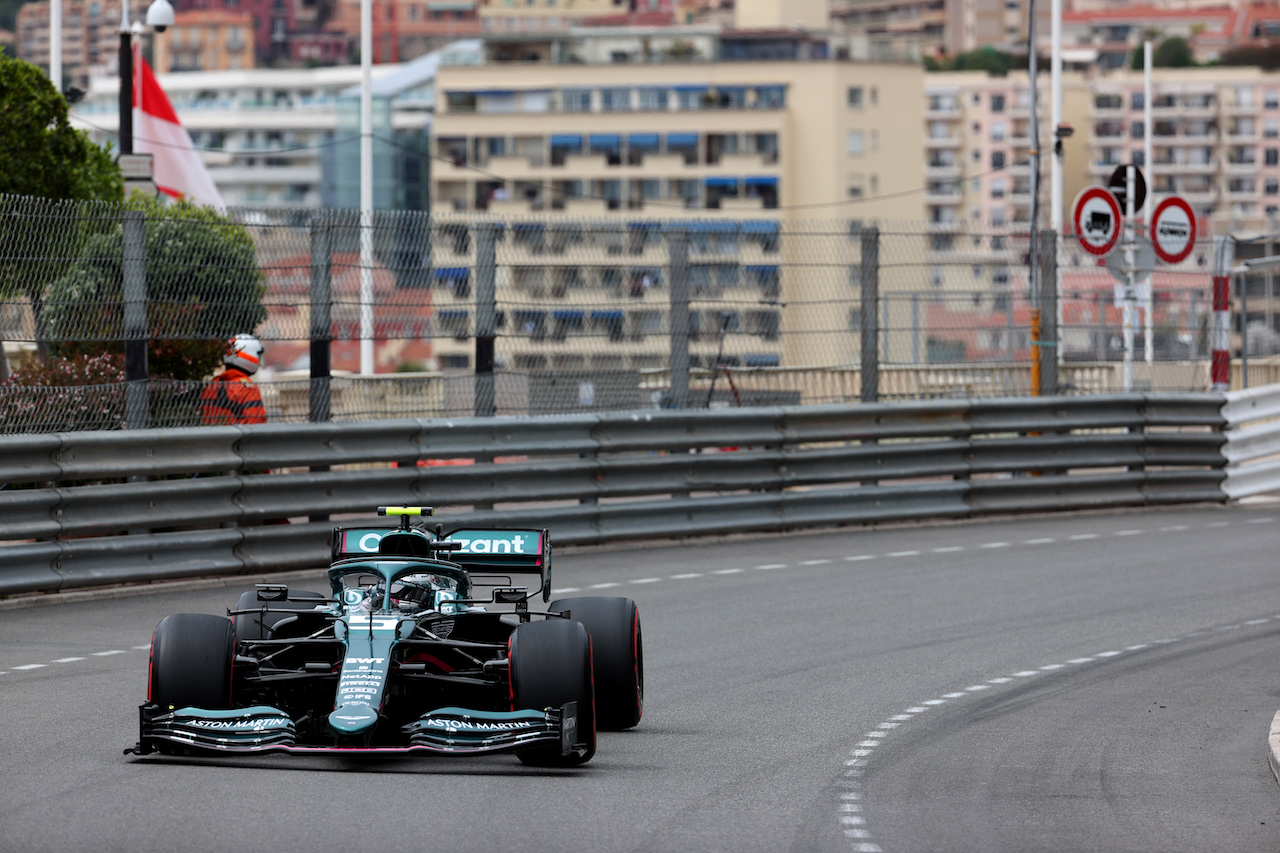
<point>1220,336</point>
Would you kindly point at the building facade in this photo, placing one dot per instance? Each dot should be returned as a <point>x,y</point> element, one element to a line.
<point>205,40</point>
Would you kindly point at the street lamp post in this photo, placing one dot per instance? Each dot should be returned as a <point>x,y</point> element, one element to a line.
<point>159,18</point>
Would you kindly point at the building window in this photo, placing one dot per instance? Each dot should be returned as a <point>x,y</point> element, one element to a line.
<point>1136,130</point>
<point>576,100</point>
<point>997,159</point>
<point>615,100</point>
<point>1271,99</point>
<point>1272,187</point>
<point>997,131</point>
<point>1138,101</point>
<point>855,144</point>
<point>1272,156</point>
<point>997,103</point>
<point>855,97</point>
<point>653,99</point>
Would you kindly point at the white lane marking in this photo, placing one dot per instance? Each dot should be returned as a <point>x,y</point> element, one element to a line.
<point>904,553</point>
<point>145,648</point>
<point>727,571</point>
<point>875,734</point>
<point>952,695</point>
<point>994,545</point>
<point>767,566</point>
<point>1080,660</point>
<point>67,660</point>
<point>1266,520</point>
<point>1106,654</point>
<point>900,717</point>
<point>814,562</point>
<point>950,549</point>
<point>1045,541</point>
<point>1000,680</point>
<point>564,590</point>
<point>645,580</point>
<point>29,666</point>
<point>859,557</point>
<point>916,710</point>
<point>1079,536</point>
<point>1128,532</point>
<point>975,687</point>
<point>1139,646</point>
<point>108,652</point>
<point>888,725</point>
<point>934,702</point>
<point>1257,621</point>
<point>1051,667</point>
<point>1218,524</point>
<point>1025,673</point>
<point>867,743</point>
<point>1174,528</point>
<point>687,576</point>
<point>603,585</point>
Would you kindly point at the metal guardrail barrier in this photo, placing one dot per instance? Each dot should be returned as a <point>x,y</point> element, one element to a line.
<point>1252,448</point>
<point>92,508</point>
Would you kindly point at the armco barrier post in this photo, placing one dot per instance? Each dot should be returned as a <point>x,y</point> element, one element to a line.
<point>134,268</point>
<point>870,278</point>
<point>321,322</point>
<point>678,317</point>
<point>1220,340</point>
<point>1048,304</point>
<point>486,316</point>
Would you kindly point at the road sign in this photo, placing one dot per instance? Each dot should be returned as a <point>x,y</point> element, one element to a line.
<point>1144,261</point>
<point>1119,185</point>
<point>1097,220</point>
<point>1173,230</point>
<point>135,167</point>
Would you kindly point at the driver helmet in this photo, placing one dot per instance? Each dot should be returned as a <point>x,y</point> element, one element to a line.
<point>244,352</point>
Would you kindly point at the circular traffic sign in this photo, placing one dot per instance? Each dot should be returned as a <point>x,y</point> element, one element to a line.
<point>1119,186</point>
<point>1173,230</point>
<point>1096,216</point>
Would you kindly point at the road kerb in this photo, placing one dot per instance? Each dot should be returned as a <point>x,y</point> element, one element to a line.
<point>1273,746</point>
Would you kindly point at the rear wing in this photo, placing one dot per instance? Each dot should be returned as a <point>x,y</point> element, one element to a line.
<point>490,556</point>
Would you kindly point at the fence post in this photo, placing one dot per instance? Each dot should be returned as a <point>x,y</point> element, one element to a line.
<point>1220,337</point>
<point>678,314</point>
<point>486,316</point>
<point>321,317</point>
<point>1048,303</point>
<point>870,278</point>
<point>137,406</point>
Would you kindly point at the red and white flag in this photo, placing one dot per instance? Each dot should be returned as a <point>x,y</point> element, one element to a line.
<point>177,168</point>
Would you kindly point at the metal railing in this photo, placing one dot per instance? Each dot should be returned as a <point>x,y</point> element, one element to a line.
<point>105,507</point>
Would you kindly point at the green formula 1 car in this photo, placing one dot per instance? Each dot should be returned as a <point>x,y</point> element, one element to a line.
<point>426,644</point>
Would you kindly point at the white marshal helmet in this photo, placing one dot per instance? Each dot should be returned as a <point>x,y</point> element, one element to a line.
<point>244,352</point>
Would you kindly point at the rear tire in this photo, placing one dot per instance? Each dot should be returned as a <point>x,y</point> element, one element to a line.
<point>191,660</point>
<point>255,626</point>
<point>550,664</point>
<point>618,651</point>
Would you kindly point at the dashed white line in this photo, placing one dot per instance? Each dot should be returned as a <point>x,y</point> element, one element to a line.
<point>29,666</point>
<point>727,571</point>
<point>1257,621</point>
<point>952,695</point>
<point>1135,648</point>
<point>934,702</point>
<point>1080,660</point>
<point>686,576</point>
<point>1001,680</point>
<point>1044,541</point>
<point>904,553</point>
<point>565,590</point>
<point>973,688</point>
<point>767,566</point>
<point>145,648</point>
<point>1174,528</point>
<point>859,557</point>
<point>994,545</point>
<point>1051,667</point>
<point>1026,673</point>
<point>645,580</point>
<point>1128,532</point>
<point>814,562</point>
<point>67,660</point>
<point>609,585</point>
<point>1106,654</point>
<point>1259,521</point>
<point>949,549</point>
<point>1080,536</point>
<point>1218,524</point>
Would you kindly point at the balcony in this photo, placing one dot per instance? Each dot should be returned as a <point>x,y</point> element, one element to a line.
<point>1237,108</point>
<point>947,196</point>
<point>942,111</point>
<point>1242,137</point>
<point>951,140</point>
<point>942,172</point>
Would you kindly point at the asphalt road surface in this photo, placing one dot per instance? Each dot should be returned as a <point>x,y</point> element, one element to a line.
<point>1093,682</point>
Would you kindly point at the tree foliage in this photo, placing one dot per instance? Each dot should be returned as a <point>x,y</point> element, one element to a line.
<point>203,287</point>
<point>1264,56</point>
<point>1173,52</point>
<point>43,155</point>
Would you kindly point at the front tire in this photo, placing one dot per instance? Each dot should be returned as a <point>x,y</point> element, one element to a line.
<point>191,660</point>
<point>617,648</point>
<point>550,664</point>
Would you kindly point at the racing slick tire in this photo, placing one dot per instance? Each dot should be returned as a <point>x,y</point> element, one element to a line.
<point>191,659</point>
<point>253,626</point>
<point>617,648</point>
<point>550,664</point>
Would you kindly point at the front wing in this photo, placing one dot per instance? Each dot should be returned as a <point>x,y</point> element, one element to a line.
<point>445,731</point>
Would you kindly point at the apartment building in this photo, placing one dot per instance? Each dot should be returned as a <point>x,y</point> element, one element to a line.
<point>205,40</point>
<point>595,131</point>
<point>264,133</point>
<point>90,37</point>
<point>406,30</point>
<point>911,29</point>
<point>1215,137</point>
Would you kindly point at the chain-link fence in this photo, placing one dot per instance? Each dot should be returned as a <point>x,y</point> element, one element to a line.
<point>468,315</point>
